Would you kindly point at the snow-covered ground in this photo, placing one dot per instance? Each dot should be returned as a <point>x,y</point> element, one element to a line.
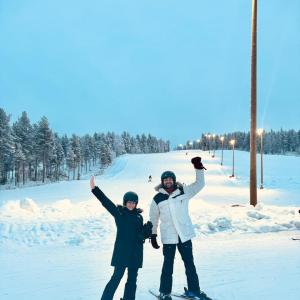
<point>56,240</point>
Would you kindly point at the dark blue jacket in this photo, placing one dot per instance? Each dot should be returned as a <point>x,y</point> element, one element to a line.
<point>128,248</point>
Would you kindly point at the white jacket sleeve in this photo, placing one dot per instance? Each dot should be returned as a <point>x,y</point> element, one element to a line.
<point>154,216</point>
<point>192,189</point>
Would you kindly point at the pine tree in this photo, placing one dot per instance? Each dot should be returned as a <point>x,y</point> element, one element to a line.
<point>144,144</point>
<point>23,133</point>
<point>6,146</point>
<point>71,162</point>
<point>86,151</point>
<point>75,145</point>
<point>19,159</point>
<point>58,156</point>
<point>105,156</point>
<point>119,145</point>
<point>44,140</point>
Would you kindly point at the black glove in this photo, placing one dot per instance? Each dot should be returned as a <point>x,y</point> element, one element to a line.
<point>146,231</point>
<point>196,161</point>
<point>154,241</point>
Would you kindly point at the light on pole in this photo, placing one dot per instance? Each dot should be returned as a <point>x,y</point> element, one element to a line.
<point>198,142</point>
<point>214,145</point>
<point>222,141</point>
<point>232,143</point>
<point>260,132</point>
<point>191,144</point>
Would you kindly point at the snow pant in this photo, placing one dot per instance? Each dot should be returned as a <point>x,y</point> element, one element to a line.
<point>130,286</point>
<point>186,251</point>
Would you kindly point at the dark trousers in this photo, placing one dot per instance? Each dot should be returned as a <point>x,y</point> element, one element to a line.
<point>130,286</point>
<point>186,251</point>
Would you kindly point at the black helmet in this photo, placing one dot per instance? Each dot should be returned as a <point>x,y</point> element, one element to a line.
<point>130,196</point>
<point>167,174</point>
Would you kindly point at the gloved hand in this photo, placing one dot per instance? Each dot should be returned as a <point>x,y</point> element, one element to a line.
<point>145,232</point>
<point>147,229</point>
<point>196,161</point>
<point>154,241</point>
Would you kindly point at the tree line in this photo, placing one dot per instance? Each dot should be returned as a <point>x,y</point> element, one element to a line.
<point>33,152</point>
<point>274,142</point>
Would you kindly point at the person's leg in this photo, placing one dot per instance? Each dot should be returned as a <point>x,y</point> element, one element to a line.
<point>130,286</point>
<point>167,269</point>
<point>186,251</point>
<point>112,285</point>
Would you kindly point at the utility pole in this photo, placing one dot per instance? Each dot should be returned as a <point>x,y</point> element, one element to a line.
<point>253,183</point>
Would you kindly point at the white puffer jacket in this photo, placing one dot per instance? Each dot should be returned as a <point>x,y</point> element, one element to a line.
<point>173,211</point>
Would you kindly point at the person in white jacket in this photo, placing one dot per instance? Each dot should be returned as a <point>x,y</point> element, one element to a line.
<point>170,206</point>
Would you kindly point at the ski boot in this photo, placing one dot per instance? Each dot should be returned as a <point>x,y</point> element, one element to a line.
<point>195,295</point>
<point>163,296</point>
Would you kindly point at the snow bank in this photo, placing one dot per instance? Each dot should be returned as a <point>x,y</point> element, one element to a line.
<point>246,219</point>
<point>63,222</point>
<point>86,223</point>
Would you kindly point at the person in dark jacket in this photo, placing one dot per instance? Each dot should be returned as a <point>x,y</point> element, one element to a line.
<point>128,248</point>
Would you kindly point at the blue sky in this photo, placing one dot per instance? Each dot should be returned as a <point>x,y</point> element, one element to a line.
<point>172,68</point>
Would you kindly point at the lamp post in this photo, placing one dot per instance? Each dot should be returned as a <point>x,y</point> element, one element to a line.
<point>198,141</point>
<point>260,132</point>
<point>222,141</point>
<point>253,179</point>
<point>214,145</point>
<point>191,144</point>
<point>232,143</point>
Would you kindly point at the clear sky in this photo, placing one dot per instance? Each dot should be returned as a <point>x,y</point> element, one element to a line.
<point>173,68</point>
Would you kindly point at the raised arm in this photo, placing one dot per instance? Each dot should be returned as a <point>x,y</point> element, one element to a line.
<point>106,202</point>
<point>192,189</point>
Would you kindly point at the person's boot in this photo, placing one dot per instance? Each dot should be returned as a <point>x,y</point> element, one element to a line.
<point>195,295</point>
<point>163,296</point>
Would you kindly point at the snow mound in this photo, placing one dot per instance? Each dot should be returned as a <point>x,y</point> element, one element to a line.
<point>29,205</point>
<point>246,219</point>
<point>86,222</point>
<point>63,222</point>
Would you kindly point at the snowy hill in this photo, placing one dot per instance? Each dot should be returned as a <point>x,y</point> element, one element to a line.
<point>64,224</point>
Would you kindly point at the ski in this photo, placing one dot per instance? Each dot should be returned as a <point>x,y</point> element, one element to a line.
<point>177,295</point>
<point>295,239</point>
<point>153,293</point>
<point>183,296</point>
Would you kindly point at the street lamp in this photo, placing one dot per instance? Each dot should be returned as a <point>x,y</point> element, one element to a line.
<point>260,132</point>
<point>232,143</point>
<point>214,145</point>
<point>191,144</point>
<point>222,141</point>
<point>253,182</point>
<point>198,141</point>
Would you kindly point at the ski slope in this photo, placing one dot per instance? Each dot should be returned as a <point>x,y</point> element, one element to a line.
<point>56,240</point>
